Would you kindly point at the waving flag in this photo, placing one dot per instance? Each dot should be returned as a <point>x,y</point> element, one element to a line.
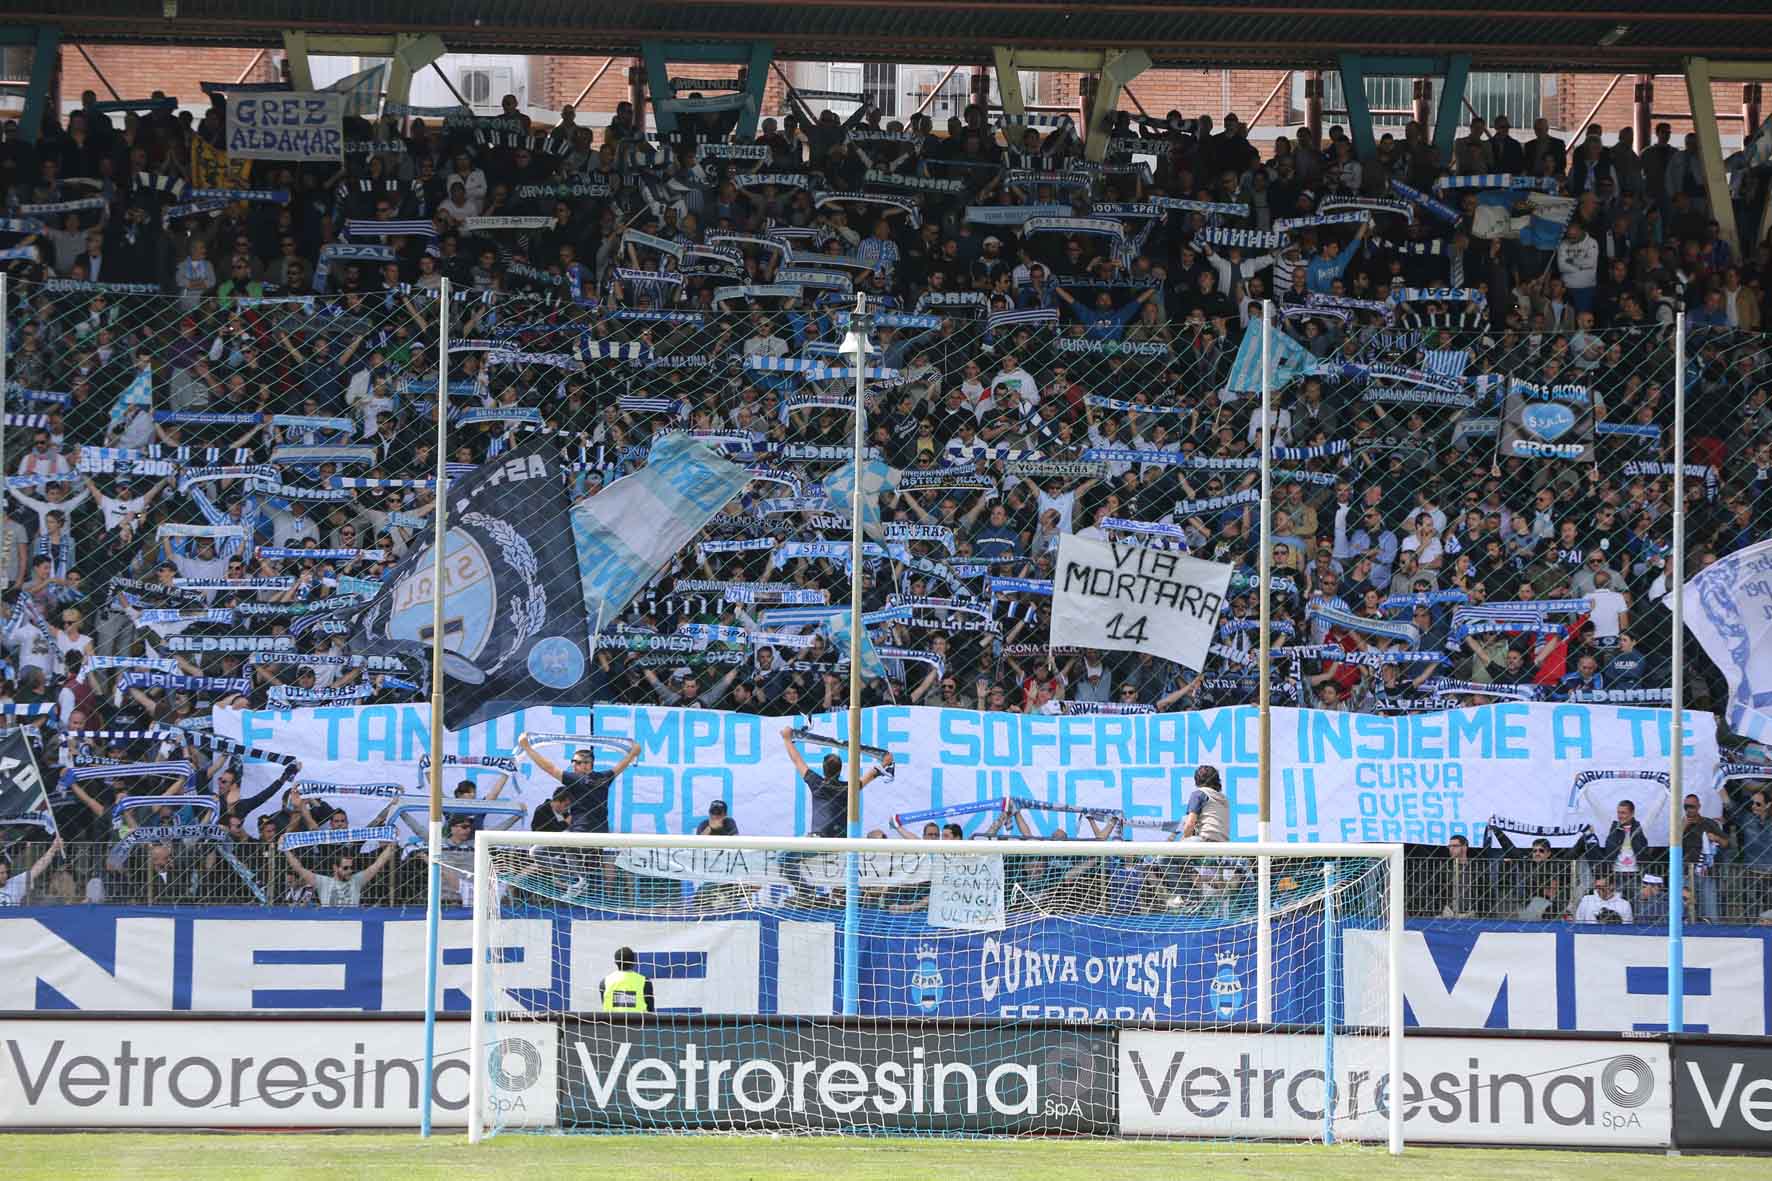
<point>514,631</point>
<point>876,478</point>
<point>626,534</point>
<point>836,626</point>
<point>23,797</point>
<point>1727,612</point>
<point>1289,361</point>
<point>211,168</point>
<point>362,91</point>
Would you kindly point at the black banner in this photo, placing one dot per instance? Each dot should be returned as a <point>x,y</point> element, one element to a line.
<point>514,619</point>
<point>23,797</point>
<point>1723,1096</point>
<point>1547,422</point>
<point>836,1075</point>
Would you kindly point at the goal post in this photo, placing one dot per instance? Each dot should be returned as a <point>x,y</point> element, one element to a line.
<point>1005,987</point>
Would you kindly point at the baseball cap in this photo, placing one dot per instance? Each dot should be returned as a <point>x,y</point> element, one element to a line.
<point>992,239</point>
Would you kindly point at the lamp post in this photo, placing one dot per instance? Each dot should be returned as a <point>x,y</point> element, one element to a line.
<point>856,348</point>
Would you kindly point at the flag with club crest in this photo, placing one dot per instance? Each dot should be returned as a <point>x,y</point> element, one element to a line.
<point>514,630</point>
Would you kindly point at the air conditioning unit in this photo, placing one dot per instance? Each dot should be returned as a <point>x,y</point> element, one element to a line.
<point>486,86</point>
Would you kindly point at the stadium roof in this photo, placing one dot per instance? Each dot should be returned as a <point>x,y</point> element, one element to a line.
<point>1605,35</point>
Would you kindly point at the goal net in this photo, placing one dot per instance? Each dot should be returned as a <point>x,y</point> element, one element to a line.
<point>937,987</point>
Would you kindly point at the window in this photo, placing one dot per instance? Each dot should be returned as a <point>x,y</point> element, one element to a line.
<point>1518,96</point>
<point>1514,95</point>
<point>917,82</point>
<point>15,63</point>
<point>880,84</point>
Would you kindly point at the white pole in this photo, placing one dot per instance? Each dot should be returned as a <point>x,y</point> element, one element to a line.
<point>478,996</point>
<point>434,869</point>
<point>858,334</point>
<point>1394,990</point>
<point>1676,778</point>
<point>858,330</point>
<point>1264,938</point>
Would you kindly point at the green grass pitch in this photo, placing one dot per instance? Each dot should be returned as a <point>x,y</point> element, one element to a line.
<point>141,1156</point>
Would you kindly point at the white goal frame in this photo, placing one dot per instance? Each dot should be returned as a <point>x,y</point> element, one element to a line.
<point>1264,851</point>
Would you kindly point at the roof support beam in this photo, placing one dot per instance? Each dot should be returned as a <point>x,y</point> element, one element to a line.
<point>1453,69</point>
<point>295,52</point>
<point>405,52</point>
<point>1116,68</point>
<point>1700,72</point>
<point>45,42</point>
<point>754,56</point>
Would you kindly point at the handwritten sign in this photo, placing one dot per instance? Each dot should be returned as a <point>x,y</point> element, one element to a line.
<point>296,125</point>
<point>966,893</point>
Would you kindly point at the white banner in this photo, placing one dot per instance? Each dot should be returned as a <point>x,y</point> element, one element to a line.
<point>1729,610</point>
<point>290,125</point>
<point>1337,776</point>
<point>1612,1094</point>
<point>967,894</point>
<point>1131,598</point>
<point>90,1072</point>
<point>761,867</point>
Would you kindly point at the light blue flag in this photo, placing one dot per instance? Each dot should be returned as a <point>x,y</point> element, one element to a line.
<point>1758,151</point>
<point>836,626</point>
<point>1288,359</point>
<point>140,392</point>
<point>876,478</point>
<point>362,91</point>
<point>1729,611</point>
<point>1550,217</point>
<point>628,532</point>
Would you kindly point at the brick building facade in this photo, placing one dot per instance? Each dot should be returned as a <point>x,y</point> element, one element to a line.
<point>1268,98</point>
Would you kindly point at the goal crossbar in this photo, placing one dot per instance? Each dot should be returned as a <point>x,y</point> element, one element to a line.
<point>1265,852</point>
<point>1189,849</point>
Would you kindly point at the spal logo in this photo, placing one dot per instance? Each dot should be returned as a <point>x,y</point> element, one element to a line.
<point>469,592</point>
<point>1227,987</point>
<point>927,982</point>
<point>476,610</point>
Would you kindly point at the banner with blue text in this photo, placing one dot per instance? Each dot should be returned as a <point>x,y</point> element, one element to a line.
<point>1419,778</point>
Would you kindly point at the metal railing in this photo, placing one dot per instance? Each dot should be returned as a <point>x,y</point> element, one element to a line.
<point>1486,887</point>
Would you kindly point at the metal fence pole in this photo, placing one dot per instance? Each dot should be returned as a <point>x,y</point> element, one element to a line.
<point>434,839</point>
<point>858,337</point>
<point>1264,939</point>
<point>1676,853</point>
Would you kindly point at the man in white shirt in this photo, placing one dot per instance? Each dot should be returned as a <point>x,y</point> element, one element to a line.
<point>292,526</point>
<point>344,885</point>
<point>43,459</point>
<point>206,564</point>
<point>1611,608</point>
<point>124,506</point>
<point>1014,385</point>
<point>13,889</point>
<point>1604,905</point>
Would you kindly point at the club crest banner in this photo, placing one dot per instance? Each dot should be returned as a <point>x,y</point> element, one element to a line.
<point>515,630</point>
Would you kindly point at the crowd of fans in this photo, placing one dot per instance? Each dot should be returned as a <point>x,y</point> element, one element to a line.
<point>1064,337</point>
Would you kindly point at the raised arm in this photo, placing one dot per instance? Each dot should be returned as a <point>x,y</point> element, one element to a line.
<point>799,761</point>
<point>42,863</point>
<point>380,863</point>
<point>875,772</point>
<point>539,759</point>
<point>301,871</point>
